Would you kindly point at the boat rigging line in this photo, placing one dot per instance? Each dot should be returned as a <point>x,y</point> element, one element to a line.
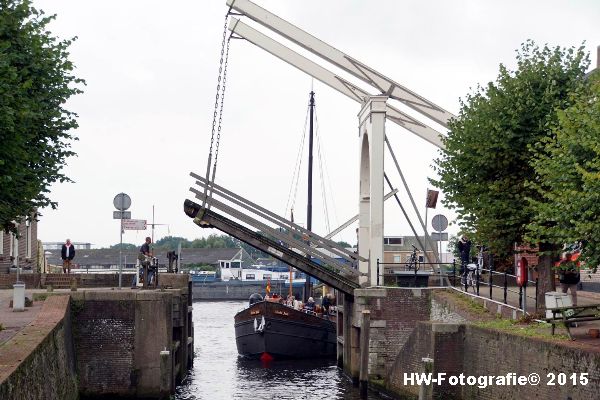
<point>325,179</point>
<point>291,201</point>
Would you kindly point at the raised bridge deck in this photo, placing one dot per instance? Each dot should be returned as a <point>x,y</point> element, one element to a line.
<point>338,278</point>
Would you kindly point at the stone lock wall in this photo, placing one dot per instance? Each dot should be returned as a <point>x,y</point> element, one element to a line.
<point>38,362</point>
<point>118,340</point>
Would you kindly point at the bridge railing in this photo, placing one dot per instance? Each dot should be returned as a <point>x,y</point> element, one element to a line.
<point>495,285</point>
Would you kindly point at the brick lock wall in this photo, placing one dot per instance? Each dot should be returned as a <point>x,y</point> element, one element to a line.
<point>475,351</point>
<point>44,348</point>
<point>104,333</point>
<point>393,318</point>
<point>488,352</point>
<point>409,359</point>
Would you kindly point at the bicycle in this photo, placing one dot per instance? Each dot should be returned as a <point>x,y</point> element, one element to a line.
<point>412,260</point>
<point>472,270</point>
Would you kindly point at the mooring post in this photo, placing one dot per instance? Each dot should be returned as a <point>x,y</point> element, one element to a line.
<point>363,383</point>
<point>425,391</point>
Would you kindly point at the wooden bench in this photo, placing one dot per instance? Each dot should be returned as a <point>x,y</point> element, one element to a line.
<point>567,315</point>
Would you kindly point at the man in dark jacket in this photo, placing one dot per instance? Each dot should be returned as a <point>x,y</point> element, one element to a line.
<point>67,253</point>
<point>464,249</point>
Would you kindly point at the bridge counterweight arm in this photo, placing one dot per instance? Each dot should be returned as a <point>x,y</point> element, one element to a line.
<point>332,80</point>
<point>354,67</point>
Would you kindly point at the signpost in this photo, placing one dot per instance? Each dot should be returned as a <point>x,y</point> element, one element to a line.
<point>121,202</point>
<point>121,214</point>
<point>430,202</point>
<point>440,223</point>
<point>439,236</point>
<point>134,224</point>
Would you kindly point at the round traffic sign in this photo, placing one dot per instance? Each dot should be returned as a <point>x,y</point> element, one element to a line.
<point>122,202</point>
<point>439,223</point>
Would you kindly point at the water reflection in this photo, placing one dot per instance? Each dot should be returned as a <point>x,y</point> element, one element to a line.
<point>219,373</point>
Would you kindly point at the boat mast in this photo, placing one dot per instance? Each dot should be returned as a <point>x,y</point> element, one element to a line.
<point>310,171</point>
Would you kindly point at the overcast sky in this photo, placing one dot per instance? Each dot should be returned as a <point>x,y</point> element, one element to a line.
<point>151,67</point>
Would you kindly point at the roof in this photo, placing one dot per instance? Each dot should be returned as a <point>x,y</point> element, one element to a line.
<point>107,257</point>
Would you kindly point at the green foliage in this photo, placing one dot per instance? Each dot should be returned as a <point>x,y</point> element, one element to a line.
<point>568,169</point>
<point>344,244</point>
<point>532,329</point>
<point>36,80</point>
<point>171,243</point>
<point>125,246</point>
<point>485,168</point>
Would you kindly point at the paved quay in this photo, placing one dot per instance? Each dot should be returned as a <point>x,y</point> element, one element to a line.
<point>13,322</point>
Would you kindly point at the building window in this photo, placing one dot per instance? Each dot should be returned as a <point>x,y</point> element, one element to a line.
<point>250,277</point>
<point>27,239</point>
<point>267,276</point>
<point>393,240</point>
<point>397,258</point>
<point>236,264</point>
<point>421,259</point>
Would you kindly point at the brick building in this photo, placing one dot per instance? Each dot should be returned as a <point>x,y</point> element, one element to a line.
<point>21,249</point>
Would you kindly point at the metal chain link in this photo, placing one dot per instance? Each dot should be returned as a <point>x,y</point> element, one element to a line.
<point>214,122</point>
<point>221,111</point>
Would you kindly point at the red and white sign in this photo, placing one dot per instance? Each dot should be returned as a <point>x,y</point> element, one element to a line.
<point>134,224</point>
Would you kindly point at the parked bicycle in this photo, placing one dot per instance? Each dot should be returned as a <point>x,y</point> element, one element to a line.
<point>473,270</point>
<point>413,261</point>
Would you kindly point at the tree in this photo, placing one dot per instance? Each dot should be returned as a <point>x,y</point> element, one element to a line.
<point>172,243</point>
<point>485,169</point>
<point>35,82</point>
<point>569,177</point>
<point>125,246</point>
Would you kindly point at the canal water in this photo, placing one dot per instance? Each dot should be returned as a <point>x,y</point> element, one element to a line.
<point>219,373</point>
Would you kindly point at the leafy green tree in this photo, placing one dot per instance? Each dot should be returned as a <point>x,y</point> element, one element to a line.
<point>344,244</point>
<point>172,242</point>
<point>125,246</point>
<point>36,80</point>
<point>486,167</point>
<point>568,207</point>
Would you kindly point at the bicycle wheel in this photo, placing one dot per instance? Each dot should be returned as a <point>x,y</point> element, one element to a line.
<point>471,280</point>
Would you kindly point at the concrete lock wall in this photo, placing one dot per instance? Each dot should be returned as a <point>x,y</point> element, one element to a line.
<point>119,337</point>
<point>228,290</point>
<point>38,362</point>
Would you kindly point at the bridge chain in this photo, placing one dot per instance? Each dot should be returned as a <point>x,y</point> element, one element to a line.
<point>218,110</point>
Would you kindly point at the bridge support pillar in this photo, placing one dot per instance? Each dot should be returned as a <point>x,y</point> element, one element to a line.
<point>347,329</point>
<point>371,119</point>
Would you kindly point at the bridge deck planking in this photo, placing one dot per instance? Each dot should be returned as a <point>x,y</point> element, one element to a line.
<point>208,218</point>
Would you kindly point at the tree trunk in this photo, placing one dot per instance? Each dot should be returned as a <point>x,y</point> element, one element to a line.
<point>545,273</point>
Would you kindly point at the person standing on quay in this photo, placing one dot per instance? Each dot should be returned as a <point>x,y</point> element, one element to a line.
<point>145,258</point>
<point>67,253</point>
<point>569,276</point>
<point>464,249</point>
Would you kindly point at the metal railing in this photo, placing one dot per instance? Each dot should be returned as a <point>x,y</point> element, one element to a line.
<point>506,283</point>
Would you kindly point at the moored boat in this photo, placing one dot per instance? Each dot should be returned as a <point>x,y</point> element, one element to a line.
<point>272,330</point>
